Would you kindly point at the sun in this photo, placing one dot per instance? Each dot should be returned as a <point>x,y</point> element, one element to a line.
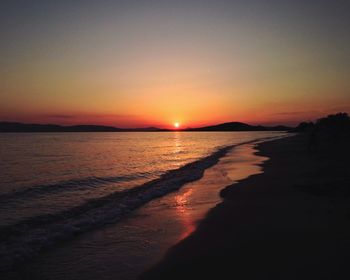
<point>176,124</point>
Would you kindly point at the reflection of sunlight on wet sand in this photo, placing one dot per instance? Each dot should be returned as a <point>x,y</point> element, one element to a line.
<point>241,163</point>
<point>183,211</point>
<point>182,200</point>
<point>193,201</point>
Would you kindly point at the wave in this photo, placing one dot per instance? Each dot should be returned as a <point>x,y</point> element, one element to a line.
<point>69,185</point>
<point>28,237</point>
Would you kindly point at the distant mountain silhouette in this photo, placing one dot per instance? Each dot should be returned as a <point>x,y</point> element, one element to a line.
<point>238,126</point>
<point>231,126</point>
<point>21,127</point>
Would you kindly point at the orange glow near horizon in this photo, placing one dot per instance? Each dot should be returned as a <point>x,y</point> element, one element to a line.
<point>257,116</point>
<point>139,64</point>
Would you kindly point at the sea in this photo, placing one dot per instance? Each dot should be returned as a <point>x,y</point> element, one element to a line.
<point>109,205</point>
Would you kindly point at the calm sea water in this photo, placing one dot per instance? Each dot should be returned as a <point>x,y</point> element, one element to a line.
<point>54,185</point>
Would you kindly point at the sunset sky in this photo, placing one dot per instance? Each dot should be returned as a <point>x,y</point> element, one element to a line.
<point>141,63</point>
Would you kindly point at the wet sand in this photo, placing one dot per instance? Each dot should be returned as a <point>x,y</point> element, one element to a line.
<point>290,222</point>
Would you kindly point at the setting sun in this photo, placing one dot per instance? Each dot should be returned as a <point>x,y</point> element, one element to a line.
<point>177,125</point>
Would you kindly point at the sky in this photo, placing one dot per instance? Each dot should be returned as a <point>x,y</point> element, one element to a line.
<point>153,63</point>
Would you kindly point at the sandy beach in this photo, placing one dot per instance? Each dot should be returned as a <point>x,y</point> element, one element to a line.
<point>290,222</point>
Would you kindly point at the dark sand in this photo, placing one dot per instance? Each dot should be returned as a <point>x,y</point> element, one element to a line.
<point>290,222</point>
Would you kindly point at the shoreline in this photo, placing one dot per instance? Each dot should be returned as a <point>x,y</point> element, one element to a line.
<point>184,207</point>
<point>271,224</point>
<point>49,230</point>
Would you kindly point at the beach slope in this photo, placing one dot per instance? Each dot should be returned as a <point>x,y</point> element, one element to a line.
<point>290,222</point>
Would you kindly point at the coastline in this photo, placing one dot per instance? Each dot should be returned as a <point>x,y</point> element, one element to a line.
<point>281,224</point>
<point>49,230</point>
<point>141,229</point>
<point>126,249</point>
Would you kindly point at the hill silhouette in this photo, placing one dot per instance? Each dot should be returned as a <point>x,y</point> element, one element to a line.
<point>21,127</point>
<point>230,126</point>
<point>239,126</point>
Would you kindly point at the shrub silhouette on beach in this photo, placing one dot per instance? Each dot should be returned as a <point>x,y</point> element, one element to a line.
<point>329,133</point>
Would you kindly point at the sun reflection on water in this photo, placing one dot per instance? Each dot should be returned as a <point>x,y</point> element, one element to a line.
<point>178,149</point>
